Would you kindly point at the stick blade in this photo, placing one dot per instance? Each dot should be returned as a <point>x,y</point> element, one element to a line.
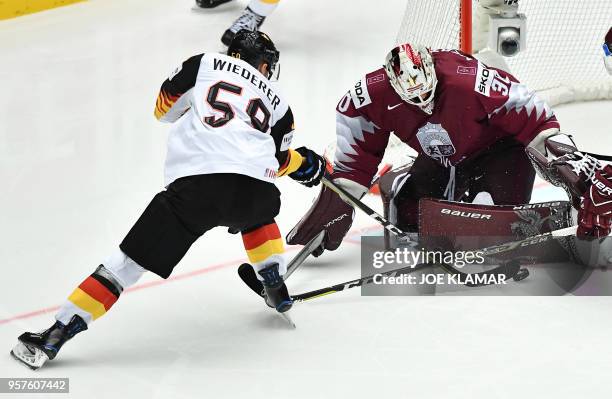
<point>248,276</point>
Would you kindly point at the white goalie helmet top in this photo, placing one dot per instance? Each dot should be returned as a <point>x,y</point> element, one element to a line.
<point>412,75</point>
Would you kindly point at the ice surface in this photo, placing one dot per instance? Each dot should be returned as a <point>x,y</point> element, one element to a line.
<point>81,155</point>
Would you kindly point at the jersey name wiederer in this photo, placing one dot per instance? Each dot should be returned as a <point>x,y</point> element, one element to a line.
<point>227,66</point>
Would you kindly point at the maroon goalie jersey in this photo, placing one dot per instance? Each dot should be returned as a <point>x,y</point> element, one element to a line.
<point>474,106</point>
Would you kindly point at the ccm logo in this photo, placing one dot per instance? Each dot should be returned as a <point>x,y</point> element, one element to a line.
<point>470,215</point>
<point>339,218</point>
<point>484,78</point>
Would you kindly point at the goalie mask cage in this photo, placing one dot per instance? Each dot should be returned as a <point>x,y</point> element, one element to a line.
<point>564,57</point>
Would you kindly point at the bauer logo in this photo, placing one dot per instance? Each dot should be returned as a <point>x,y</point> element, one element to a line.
<point>360,94</point>
<point>464,214</point>
<point>484,80</point>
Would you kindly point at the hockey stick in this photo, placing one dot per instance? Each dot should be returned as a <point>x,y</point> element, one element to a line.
<point>248,276</point>
<point>537,239</point>
<point>351,200</point>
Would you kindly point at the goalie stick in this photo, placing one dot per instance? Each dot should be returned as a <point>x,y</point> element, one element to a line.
<point>509,270</point>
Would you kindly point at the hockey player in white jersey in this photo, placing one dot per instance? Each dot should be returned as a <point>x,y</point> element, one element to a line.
<point>229,141</point>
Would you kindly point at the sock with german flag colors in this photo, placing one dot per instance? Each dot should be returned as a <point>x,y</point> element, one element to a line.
<point>99,292</point>
<point>264,245</point>
<point>263,7</point>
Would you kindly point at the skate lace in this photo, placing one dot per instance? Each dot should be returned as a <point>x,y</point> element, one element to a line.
<point>249,20</point>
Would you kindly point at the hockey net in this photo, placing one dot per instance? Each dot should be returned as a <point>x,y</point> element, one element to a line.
<point>563,60</point>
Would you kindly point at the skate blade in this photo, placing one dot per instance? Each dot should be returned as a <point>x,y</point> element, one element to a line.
<point>32,357</point>
<point>287,318</point>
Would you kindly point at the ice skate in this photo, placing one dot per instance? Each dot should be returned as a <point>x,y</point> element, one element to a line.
<point>34,349</point>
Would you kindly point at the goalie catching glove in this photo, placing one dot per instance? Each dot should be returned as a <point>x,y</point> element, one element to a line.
<point>330,213</point>
<point>312,169</point>
<point>587,182</point>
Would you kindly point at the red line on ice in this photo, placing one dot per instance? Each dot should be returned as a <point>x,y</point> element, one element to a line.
<point>182,276</point>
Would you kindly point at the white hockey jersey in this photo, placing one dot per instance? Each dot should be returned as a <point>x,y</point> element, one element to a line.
<point>228,117</point>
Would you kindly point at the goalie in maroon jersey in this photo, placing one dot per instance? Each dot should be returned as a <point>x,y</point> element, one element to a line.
<point>470,124</point>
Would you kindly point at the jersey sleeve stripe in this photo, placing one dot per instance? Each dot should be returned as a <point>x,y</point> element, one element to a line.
<point>293,163</point>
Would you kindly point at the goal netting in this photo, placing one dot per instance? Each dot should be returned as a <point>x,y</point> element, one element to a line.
<point>564,57</point>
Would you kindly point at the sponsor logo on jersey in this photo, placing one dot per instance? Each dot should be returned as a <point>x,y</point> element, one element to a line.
<point>464,70</point>
<point>286,141</point>
<point>389,107</point>
<point>489,79</point>
<point>484,79</point>
<point>435,142</point>
<point>464,214</point>
<point>360,95</point>
<point>376,79</point>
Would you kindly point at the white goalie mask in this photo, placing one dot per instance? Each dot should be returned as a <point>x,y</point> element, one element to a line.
<point>412,75</point>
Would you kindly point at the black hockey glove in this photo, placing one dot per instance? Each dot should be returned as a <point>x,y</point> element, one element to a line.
<point>312,169</point>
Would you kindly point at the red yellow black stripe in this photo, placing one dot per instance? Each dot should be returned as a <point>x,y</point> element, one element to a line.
<point>263,242</point>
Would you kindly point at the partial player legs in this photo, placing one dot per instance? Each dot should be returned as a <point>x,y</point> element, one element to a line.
<point>169,225</point>
<point>264,248</point>
<point>89,301</point>
<point>251,19</point>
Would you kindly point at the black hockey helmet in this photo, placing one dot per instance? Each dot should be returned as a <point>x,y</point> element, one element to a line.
<point>255,48</point>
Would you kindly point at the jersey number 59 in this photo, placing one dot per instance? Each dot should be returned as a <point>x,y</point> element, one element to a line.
<point>252,110</point>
